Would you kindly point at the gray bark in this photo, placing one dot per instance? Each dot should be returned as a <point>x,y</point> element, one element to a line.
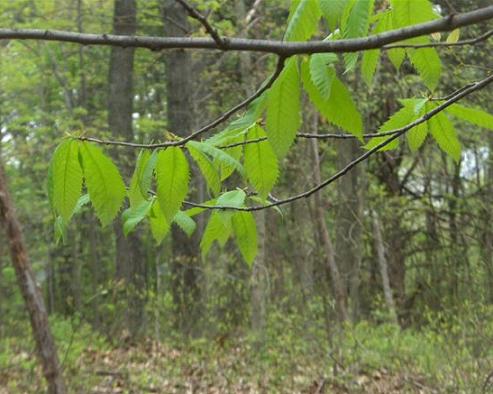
<point>338,288</point>
<point>31,293</point>
<point>349,220</point>
<point>383,266</point>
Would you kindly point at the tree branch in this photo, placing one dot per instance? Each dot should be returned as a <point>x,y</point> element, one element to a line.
<point>281,48</point>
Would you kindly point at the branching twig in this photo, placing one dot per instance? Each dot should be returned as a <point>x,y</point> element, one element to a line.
<point>397,133</point>
<point>195,134</point>
<point>203,20</point>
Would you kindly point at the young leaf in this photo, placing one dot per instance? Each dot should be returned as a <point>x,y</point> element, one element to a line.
<point>303,20</point>
<point>428,64</point>
<point>453,37</point>
<point>472,115</point>
<point>103,181</point>
<point>65,181</point>
<point>399,119</point>
<point>146,176</point>
<point>357,26</point>
<point>173,175</point>
<point>370,58</point>
<point>445,135</point>
<point>185,222</point>
<point>283,109</point>
<point>411,12</point>
<point>210,173</point>
<point>260,163</point>
<point>159,225</point>
<point>416,136</point>
<point>332,10</point>
<point>245,232</point>
<point>135,214</point>
<point>135,194</point>
<point>60,230</point>
<point>339,109</point>
<point>369,65</point>
<point>219,155</point>
<point>322,72</point>
<point>216,229</point>
<point>233,199</point>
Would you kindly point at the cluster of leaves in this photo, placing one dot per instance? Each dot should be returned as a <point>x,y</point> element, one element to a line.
<point>77,165</point>
<point>279,110</point>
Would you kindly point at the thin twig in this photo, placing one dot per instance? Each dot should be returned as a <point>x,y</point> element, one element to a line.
<point>195,134</point>
<point>203,20</point>
<point>470,41</point>
<point>397,133</point>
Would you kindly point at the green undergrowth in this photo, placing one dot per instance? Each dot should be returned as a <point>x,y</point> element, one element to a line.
<point>449,353</point>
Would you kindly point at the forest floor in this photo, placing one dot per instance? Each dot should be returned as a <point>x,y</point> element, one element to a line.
<point>362,358</point>
<point>155,368</point>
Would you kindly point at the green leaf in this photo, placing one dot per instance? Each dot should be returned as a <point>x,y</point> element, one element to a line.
<point>216,230</point>
<point>472,115</point>
<point>453,37</point>
<point>219,155</point>
<point>233,199</point>
<point>240,126</point>
<point>396,56</point>
<point>146,176</point>
<point>210,173</point>
<point>83,200</point>
<point>357,25</point>
<point>428,64</point>
<point>339,109</point>
<point>408,113</point>
<point>185,222</point>
<point>332,10</point>
<point>411,12</point>
<point>375,141</point>
<point>322,72</point>
<point>66,177</point>
<point>369,65</point>
<point>173,175</point>
<point>303,20</point>
<point>371,57</point>
<point>103,181</point>
<point>135,214</point>
<point>159,225</point>
<point>417,135</point>
<point>135,193</point>
<point>283,109</point>
<point>60,230</point>
<point>260,163</point>
<point>445,135</point>
<point>245,232</point>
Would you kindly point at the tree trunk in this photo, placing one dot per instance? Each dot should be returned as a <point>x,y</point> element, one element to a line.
<point>259,282</point>
<point>179,89</point>
<point>383,266</point>
<point>30,291</point>
<point>130,261</point>
<point>487,230</point>
<point>338,287</point>
<point>349,218</point>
